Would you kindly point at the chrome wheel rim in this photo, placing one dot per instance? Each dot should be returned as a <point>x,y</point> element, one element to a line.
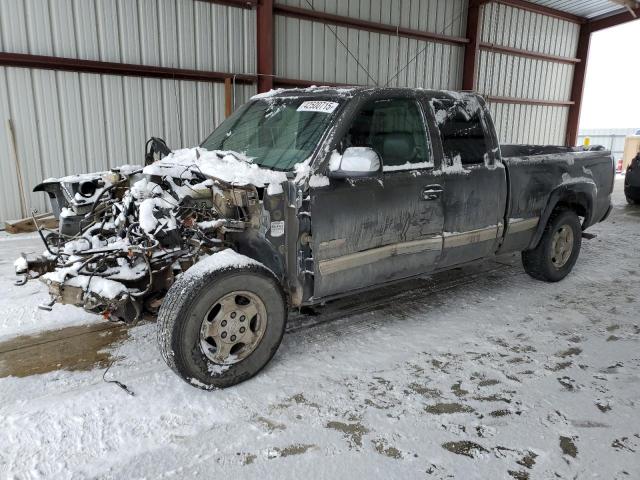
<point>233,327</point>
<point>561,246</point>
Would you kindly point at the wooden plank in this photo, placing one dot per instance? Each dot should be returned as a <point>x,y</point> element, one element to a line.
<point>27,225</point>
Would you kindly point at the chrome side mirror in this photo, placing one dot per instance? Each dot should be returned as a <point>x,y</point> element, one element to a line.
<point>355,162</point>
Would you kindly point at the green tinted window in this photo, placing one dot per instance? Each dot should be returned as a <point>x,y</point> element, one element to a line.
<point>276,133</point>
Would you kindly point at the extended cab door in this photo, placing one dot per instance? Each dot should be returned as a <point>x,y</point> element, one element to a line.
<point>369,231</point>
<point>474,181</point>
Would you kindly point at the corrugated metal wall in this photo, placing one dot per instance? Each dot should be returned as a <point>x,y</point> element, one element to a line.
<point>506,75</point>
<point>69,122</point>
<point>310,50</point>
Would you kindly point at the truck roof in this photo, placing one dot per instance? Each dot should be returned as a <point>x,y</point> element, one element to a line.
<point>352,92</point>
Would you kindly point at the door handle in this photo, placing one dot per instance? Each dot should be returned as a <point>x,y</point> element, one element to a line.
<point>431,192</point>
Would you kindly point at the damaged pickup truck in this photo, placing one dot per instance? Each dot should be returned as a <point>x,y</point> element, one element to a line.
<point>303,196</point>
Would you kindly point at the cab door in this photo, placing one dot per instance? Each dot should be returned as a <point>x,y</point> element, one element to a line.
<point>474,184</point>
<point>369,231</point>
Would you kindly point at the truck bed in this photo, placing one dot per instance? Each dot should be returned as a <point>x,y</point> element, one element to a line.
<point>537,174</point>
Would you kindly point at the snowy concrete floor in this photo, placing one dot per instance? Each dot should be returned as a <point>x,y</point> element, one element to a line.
<point>481,373</point>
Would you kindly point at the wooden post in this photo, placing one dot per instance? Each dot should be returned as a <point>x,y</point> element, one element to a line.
<point>228,97</point>
<point>14,153</point>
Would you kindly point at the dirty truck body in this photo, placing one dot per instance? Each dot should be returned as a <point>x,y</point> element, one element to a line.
<point>345,190</point>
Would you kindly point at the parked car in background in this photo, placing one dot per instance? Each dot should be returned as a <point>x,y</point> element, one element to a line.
<point>632,181</point>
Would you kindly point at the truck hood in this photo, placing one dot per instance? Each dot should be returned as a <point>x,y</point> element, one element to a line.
<point>226,166</point>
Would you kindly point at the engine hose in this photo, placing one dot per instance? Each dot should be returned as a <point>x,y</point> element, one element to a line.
<point>146,290</point>
<point>104,190</point>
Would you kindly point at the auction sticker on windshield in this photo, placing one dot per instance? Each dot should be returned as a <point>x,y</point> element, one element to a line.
<point>317,106</point>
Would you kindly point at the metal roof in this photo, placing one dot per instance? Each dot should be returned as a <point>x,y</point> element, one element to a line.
<point>582,8</point>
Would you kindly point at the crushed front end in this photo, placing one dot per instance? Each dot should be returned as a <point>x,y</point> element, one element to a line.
<point>125,234</point>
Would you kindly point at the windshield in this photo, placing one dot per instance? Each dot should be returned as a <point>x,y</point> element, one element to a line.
<point>275,133</point>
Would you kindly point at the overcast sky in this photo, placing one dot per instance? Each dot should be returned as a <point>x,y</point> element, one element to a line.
<point>612,90</point>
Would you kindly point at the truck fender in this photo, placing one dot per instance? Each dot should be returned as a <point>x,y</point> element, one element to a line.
<point>257,247</point>
<point>577,195</point>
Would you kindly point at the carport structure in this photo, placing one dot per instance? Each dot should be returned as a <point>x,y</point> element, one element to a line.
<point>528,58</point>
<point>83,83</point>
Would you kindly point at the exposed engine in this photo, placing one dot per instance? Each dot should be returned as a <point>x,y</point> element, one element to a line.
<point>126,233</point>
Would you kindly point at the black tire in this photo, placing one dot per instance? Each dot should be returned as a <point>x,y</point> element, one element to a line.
<point>186,305</point>
<point>539,262</point>
<point>631,201</point>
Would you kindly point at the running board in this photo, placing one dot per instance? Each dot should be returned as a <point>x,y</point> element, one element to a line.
<point>588,236</point>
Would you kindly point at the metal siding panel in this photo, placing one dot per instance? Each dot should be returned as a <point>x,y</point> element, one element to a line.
<point>115,126</point>
<point>93,121</point>
<point>149,34</point>
<point>67,122</point>
<point>108,30</point>
<point>45,94</point>
<point>64,42</point>
<point>153,108</point>
<point>25,124</point>
<point>84,15</point>
<point>205,110</point>
<point>129,31</point>
<point>13,23</point>
<point>38,27</point>
<point>189,114</point>
<point>9,194</point>
<point>133,118</point>
<point>168,29</point>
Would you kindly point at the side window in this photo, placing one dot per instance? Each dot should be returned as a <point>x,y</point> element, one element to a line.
<point>395,129</point>
<point>461,131</point>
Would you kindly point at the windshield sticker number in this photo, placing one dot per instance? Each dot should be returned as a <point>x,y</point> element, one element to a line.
<point>316,106</point>
<point>277,228</point>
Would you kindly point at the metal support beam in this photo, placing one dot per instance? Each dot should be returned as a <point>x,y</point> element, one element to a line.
<point>528,54</point>
<point>601,23</point>
<point>528,101</point>
<point>472,49</point>
<point>577,88</point>
<point>265,45</point>
<point>350,22</point>
<point>234,3</point>
<point>25,60</point>
<point>535,8</point>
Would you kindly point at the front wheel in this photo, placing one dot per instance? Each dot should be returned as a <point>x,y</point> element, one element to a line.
<point>558,249</point>
<point>221,328</point>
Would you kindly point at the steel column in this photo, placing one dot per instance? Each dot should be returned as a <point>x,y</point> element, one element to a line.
<point>577,88</point>
<point>472,49</point>
<point>265,45</point>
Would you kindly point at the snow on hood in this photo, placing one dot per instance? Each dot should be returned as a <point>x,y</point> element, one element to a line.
<point>230,167</point>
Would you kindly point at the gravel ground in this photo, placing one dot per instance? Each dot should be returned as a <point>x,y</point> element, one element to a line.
<point>485,373</point>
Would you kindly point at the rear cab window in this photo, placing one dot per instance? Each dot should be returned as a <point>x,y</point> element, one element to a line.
<point>462,132</point>
<point>395,129</point>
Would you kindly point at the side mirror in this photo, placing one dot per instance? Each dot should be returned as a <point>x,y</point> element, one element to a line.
<point>355,162</point>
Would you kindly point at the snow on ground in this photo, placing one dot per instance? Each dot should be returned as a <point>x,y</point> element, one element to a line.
<point>19,314</point>
<point>494,376</point>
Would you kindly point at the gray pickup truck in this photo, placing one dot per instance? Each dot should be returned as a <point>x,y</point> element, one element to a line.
<point>301,197</point>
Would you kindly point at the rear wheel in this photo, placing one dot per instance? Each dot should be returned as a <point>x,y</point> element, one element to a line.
<point>221,328</point>
<point>558,249</point>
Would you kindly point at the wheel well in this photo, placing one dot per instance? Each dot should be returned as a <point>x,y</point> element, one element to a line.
<point>576,202</point>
